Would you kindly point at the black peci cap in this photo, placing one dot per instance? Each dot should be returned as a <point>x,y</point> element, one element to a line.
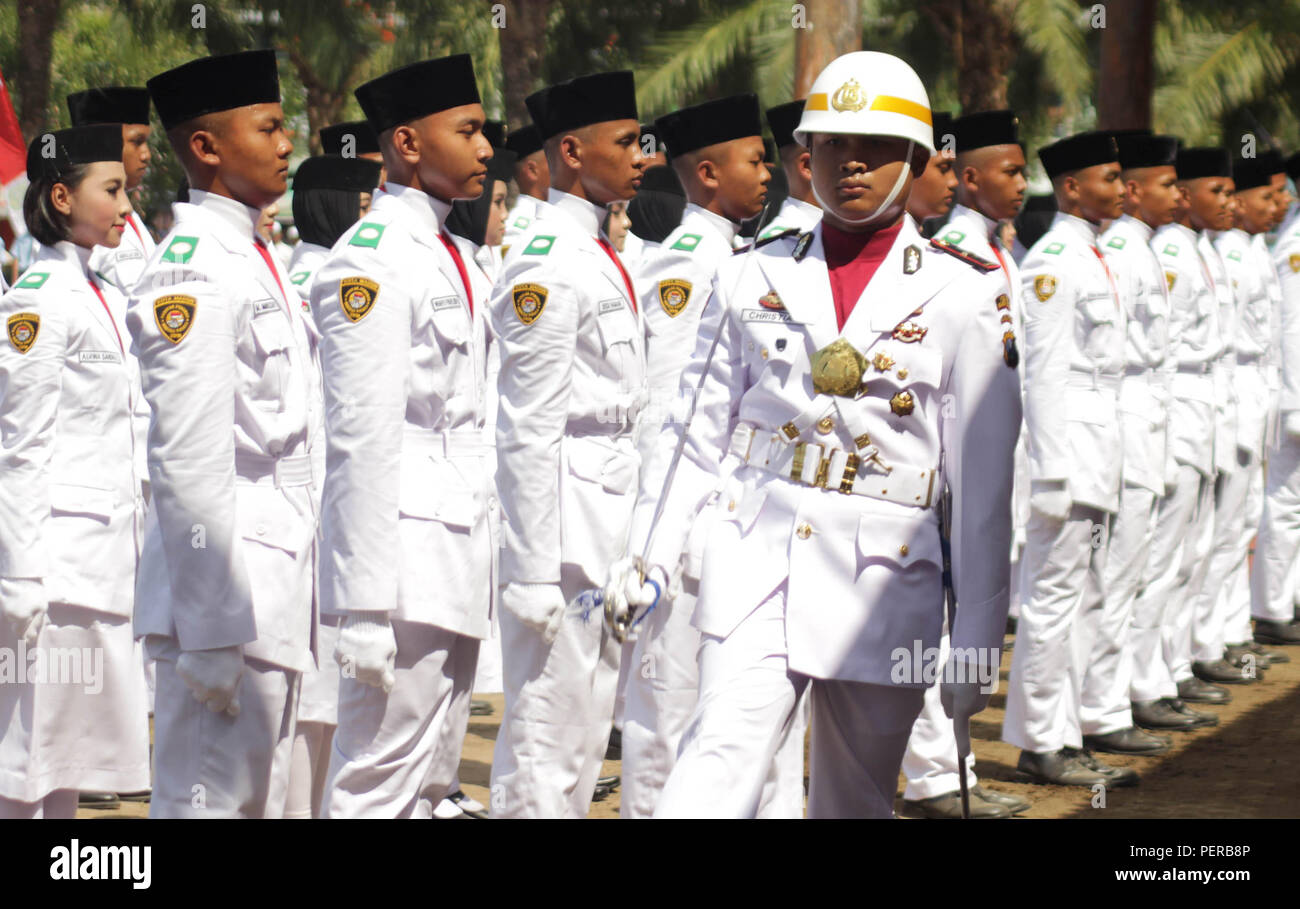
<point>1195,163</point>
<point>524,141</point>
<point>1250,173</point>
<point>985,128</point>
<point>211,84</point>
<point>112,104</point>
<point>782,121</point>
<point>1077,152</point>
<point>365,141</point>
<point>52,154</point>
<point>495,132</point>
<point>941,121</point>
<point>597,98</point>
<point>417,90</point>
<point>334,172</point>
<point>702,125</point>
<point>1139,150</point>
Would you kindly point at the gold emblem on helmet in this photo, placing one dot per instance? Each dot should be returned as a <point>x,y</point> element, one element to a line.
<point>849,97</point>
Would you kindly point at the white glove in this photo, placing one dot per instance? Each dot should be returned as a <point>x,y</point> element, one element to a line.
<point>962,700</point>
<point>213,676</point>
<point>1050,498</point>
<point>539,606</point>
<point>367,649</point>
<point>25,607</point>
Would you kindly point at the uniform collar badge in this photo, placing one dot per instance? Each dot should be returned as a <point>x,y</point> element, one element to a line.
<point>909,332</point>
<point>911,260</point>
<point>801,246</point>
<point>771,300</point>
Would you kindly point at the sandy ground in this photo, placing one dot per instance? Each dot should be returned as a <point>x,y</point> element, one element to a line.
<point>1243,768</point>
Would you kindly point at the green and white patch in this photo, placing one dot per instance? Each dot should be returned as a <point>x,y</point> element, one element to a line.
<point>521,222</point>
<point>1169,250</point>
<point>1116,243</point>
<point>954,237</point>
<point>1235,256</point>
<point>33,279</point>
<point>299,277</point>
<point>539,245</point>
<point>368,234</point>
<point>1054,249</point>
<point>687,242</point>
<point>180,249</point>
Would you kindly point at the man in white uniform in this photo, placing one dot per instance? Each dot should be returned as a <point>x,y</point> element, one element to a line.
<point>532,176</point>
<point>226,596</point>
<point>571,385</point>
<point>1074,357</point>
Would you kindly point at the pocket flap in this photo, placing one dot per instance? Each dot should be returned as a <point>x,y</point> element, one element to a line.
<point>616,323</point>
<point>87,500</point>
<point>434,491</point>
<point>271,333</point>
<point>279,534</point>
<point>1087,405</point>
<point>901,539</point>
<point>450,320</point>
<point>615,471</point>
<point>1101,309</point>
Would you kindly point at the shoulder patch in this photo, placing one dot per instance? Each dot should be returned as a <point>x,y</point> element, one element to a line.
<point>1171,277</point>
<point>773,230</point>
<point>357,297</point>
<point>33,279</point>
<point>539,245</point>
<point>1116,243</point>
<point>801,248</point>
<point>1010,355</point>
<point>1054,249</point>
<point>1169,250</point>
<point>1044,287</point>
<point>1295,261</point>
<point>969,258</point>
<point>954,237</point>
<point>521,222</point>
<point>23,328</point>
<point>368,234</point>
<point>174,314</point>
<point>529,300</point>
<point>299,277</point>
<point>674,294</point>
<point>1235,256</point>
<point>180,249</point>
<point>687,242</point>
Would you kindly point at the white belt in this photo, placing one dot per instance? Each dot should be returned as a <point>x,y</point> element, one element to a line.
<point>1195,369</point>
<point>1245,358</point>
<point>852,473</point>
<point>293,470</point>
<point>464,443</point>
<point>1096,379</point>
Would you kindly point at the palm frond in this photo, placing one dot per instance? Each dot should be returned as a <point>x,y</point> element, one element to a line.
<point>1055,30</point>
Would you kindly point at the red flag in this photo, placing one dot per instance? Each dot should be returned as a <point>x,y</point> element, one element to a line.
<point>13,150</point>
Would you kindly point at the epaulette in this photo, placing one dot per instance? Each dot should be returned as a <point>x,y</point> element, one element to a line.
<point>792,232</point>
<point>1010,354</point>
<point>969,258</point>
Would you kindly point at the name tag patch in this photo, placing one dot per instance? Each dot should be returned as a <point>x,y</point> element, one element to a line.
<point>442,303</point>
<point>607,306</point>
<point>768,315</point>
<point>98,356</point>
<point>261,307</point>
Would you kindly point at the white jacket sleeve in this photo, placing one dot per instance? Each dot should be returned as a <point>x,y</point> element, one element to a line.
<point>1047,349</point>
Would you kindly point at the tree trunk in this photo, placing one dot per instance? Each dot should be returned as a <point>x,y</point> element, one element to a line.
<point>36,22</point>
<point>982,36</point>
<point>831,28</point>
<point>324,103</point>
<point>1126,80</point>
<point>523,41</point>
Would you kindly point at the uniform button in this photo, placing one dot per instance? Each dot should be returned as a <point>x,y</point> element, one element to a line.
<point>804,531</point>
<point>825,425</point>
<point>261,530</point>
<point>902,373</point>
<point>492,502</point>
<point>902,550</point>
<point>763,353</point>
<point>731,506</point>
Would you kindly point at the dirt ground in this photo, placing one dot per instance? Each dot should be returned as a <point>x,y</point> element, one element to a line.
<point>1243,768</point>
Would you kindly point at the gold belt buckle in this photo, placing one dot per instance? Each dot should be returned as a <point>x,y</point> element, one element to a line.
<point>837,369</point>
<point>850,474</point>
<point>796,463</point>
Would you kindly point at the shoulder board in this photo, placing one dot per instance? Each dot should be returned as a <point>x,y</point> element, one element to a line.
<point>763,241</point>
<point>969,258</point>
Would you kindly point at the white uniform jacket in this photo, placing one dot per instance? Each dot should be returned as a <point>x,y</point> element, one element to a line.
<point>1225,363</point>
<point>794,214</point>
<point>1252,337</point>
<point>572,383</point>
<point>863,565</point>
<point>405,511</point>
<point>229,552</point>
<point>969,230</point>
<point>1073,352</point>
<point>71,503</point>
<point>123,265</point>
<point>1194,340</point>
<point>1144,390</point>
<point>520,218</point>
<point>1286,261</point>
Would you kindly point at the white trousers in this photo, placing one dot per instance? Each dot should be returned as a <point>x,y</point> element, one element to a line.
<point>1236,590</point>
<point>747,704</point>
<point>211,764</point>
<point>1104,703</point>
<point>61,804</point>
<point>1176,634</point>
<point>930,762</point>
<point>1228,552</point>
<point>308,770</point>
<point>559,705</point>
<point>395,755</point>
<point>1064,566</point>
<point>1272,591</point>
<point>663,681</point>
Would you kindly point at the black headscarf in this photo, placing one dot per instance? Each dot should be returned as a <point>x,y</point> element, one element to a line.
<point>657,208</point>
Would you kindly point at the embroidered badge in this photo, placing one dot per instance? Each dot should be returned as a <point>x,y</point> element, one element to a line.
<point>909,332</point>
<point>911,260</point>
<point>529,300</point>
<point>357,296</point>
<point>23,329</point>
<point>1172,276</point>
<point>521,222</point>
<point>954,237</point>
<point>33,279</point>
<point>299,277</point>
<point>1169,250</point>
<point>902,403</point>
<point>1054,249</point>
<point>174,315</point>
<point>368,235</point>
<point>539,245</point>
<point>1116,243</point>
<point>674,293</point>
<point>687,242</point>
<point>1044,287</point>
<point>1294,260</point>
<point>771,300</point>
<point>1010,354</point>
<point>180,249</point>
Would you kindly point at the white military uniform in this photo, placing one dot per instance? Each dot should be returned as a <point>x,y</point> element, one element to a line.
<point>794,214</point>
<point>571,385</point>
<point>122,266</point>
<point>519,219</point>
<point>71,515</point>
<point>1073,351</point>
<point>1143,404</point>
<point>1273,578</point>
<point>803,583</point>
<point>229,551</point>
<point>663,678</point>
<point>405,526</point>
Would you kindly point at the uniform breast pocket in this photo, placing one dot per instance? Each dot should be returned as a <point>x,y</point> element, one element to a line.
<point>439,490</point>
<point>618,330</point>
<point>772,350</point>
<point>1099,325</point>
<point>269,365</point>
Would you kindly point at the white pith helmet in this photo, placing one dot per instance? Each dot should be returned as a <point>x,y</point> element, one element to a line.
<point>871,94</point>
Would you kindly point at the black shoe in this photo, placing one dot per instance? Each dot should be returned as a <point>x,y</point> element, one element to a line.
<point>1115,776</point>
<point>614,750</point>
<point>948,807</point>
<point>1127,741</point>
<point>1198,692</point>
<point>142,795</point>
<point>1013,803</point>
<point>1273,656</point>
<point>468,806</point>
<point>1162,716</point>
<point>1283,633</point>
<point>1059,768</point>
<point>1221,672</point>
<point>480,708</point>
<point>1011,626</point>
<point>605,786</point>
<point>98,800</point>
<point>1204,718</point>
<point>1242,657</point>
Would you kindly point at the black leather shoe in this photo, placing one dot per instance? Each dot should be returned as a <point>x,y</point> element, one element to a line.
<point>1127,741</point>
<point>1194,690</point>
<point>1241,656</point>
<point>1115,776</point>
<point>1013,803</point>
<point>1058,768</point>
<point>1221,672</point>
<point>468,806</point>
<point>142,795</point>
<point>1011,626</point>
<point>480,708</point>
<point>98,800</point>
<point>605,786</point>
<point>1203,717</point>
<point>1273,656</point>
<point>1161,715</point>
<point>614,750</point>
<point>1283,633</point>
<point>948,807</point>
